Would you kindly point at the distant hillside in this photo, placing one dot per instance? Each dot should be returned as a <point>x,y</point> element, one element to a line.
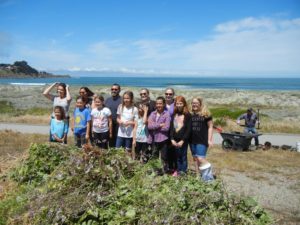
<point>21,69</point>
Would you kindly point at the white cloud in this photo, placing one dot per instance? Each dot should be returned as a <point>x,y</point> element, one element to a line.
<point>251,46</point>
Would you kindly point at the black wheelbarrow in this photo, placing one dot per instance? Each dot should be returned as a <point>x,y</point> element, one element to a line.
<point>237,140</point>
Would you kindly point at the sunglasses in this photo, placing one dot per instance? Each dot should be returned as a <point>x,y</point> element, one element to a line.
<point>114,89</point>
<point>168,94</point>
<point>143,94</point>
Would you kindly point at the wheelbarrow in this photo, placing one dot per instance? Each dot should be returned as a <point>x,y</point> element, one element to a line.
<point>237,140</point>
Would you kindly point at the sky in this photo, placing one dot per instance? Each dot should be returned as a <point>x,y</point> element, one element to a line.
<point>168,37</point>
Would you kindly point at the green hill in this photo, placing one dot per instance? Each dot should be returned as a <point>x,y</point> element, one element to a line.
<point>21,69</point>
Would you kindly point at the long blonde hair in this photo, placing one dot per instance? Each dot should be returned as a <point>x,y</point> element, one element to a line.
<point>203,109</point>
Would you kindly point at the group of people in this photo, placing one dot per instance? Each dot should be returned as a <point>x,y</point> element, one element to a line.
<point>164,127</point>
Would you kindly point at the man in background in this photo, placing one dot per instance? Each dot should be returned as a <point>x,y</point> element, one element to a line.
<point>113,103</point>
<point>251,119</point>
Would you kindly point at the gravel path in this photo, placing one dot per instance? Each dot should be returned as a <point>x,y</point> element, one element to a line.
<point>275,139</point>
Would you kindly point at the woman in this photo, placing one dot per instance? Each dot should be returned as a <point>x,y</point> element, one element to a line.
<point>180,133</point>
<point>63,98</point>
<point>172,159</point>
<point>87,96</point>
<point>169,96</point>
<point>201,137</point>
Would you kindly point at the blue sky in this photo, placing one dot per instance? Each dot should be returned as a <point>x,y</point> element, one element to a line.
<point>201,38</point>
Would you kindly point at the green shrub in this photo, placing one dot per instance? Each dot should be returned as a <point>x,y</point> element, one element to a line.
<point>110,188</point>
<point>42,160</point>
<point>6,107</point>
<point>232,113</point>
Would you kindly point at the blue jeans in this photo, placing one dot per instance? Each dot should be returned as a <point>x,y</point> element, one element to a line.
<point>124,142</point>
<point>252,130</point>
<point>181,154</point>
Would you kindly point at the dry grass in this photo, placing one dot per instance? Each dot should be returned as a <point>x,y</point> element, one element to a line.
<point>272,161</point>
<point>13,147</point>
<point>267,126</point>
<point>26,119</point>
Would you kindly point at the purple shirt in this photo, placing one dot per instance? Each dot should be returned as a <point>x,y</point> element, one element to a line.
<point>171,109</point>
<point>156,133</point>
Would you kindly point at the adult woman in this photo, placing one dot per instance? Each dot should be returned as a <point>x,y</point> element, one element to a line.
<point>180,133</point>
<point>87,96</point>
<point>172,159</point>
<point>201,137</point>
<point>169,96</point>
<point>63,98</point>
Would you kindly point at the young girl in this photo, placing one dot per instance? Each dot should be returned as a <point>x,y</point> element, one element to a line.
<point>201,137</point>
<point>141,134</point>
<point>59,126</point>
<point>81,123</point>
<point>158,126</point>
<point>180,133</point>
<point>101,123</point>
<point>127,115</point>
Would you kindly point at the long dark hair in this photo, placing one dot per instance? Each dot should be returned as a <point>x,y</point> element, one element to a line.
<point>88,91</point>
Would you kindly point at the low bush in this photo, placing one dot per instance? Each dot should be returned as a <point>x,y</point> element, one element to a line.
<point>94,187</point>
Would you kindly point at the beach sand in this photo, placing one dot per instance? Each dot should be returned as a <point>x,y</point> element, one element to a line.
<point>278,105</point>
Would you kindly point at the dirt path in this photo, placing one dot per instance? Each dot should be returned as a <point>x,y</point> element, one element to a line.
<point>275,192</point>
<point>275,139</point>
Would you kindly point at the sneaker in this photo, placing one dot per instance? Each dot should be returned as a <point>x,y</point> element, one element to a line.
<point>175,174</point>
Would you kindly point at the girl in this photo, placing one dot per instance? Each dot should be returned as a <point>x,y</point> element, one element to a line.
<point>201,137</point>
<point>58,126</point>
<point>141,135</point>
<point>158,126</point>
<point>180,133</point>
<point>101,123</point>
<point>127,115</point>
<point>81,123</point>
<point>63,99</point>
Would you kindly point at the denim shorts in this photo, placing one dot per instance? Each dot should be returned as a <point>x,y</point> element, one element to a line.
<point>198,150</point>
<point>124,142</point>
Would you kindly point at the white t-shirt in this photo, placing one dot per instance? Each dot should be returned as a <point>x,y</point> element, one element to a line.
<point>127,114</point>
<point>63,102</point>
<point>100,119</point>
<point>142,131</point>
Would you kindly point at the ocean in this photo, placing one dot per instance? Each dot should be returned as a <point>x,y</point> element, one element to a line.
<point>175,82</point>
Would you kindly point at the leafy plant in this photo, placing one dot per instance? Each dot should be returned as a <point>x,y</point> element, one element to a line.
<point>95,187</point>
<point>42,160</point>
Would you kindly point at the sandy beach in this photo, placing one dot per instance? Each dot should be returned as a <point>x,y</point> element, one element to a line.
<point>280,106</point>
